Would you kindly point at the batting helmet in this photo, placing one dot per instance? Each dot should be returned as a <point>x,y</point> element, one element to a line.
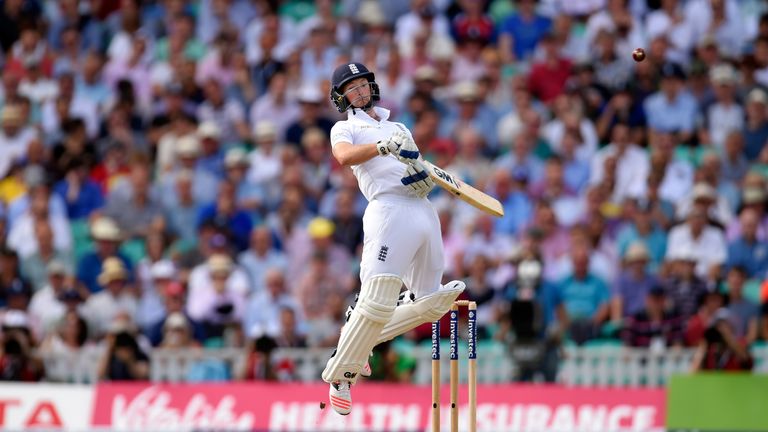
<point>346,73</point>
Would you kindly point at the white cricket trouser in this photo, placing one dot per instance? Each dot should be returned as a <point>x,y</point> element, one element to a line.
<point>402,237</point>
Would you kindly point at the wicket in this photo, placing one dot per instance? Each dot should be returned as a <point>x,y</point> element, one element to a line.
<point>454,362</point>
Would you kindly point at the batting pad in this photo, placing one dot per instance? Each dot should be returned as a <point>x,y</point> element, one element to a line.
<point>375,307</point>
<point>427,309</point>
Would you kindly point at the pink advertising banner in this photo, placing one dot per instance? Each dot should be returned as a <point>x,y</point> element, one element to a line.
<point>377,407</point>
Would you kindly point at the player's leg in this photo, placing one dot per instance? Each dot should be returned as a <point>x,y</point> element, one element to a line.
<point>431,299</point>
<point>388,251</point>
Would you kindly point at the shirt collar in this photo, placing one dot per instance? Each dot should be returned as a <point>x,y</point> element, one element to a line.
<point>363,116</point>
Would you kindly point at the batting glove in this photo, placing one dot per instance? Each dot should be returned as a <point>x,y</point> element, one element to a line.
<point>401,145</point>
<point>417,178</point>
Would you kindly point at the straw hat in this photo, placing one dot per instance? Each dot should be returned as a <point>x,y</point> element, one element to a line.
<point>112,270</point>
<point>105,228</point>
<point>219,263</point>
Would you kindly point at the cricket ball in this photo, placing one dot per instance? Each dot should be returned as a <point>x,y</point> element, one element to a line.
<point>638,54</point>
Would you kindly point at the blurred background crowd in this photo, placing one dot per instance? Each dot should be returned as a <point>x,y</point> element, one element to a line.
<point>166,179</point>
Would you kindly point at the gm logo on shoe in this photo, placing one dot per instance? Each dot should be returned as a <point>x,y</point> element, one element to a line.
<point>349,375</point>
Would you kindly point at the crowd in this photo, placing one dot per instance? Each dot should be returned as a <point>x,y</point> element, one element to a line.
<point>166,177</point>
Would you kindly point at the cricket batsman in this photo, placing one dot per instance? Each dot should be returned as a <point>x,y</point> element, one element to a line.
<point>402,243</point>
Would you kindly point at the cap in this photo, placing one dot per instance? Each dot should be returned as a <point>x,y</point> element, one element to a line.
<point>723,74</point>
<point>163,269</point>
<point>112,270</point>
<point>672,70</point>
<point>57,267</point>
<point>757,95</point>
<point>188,145</point>
<point>176,320</point>
<point>309,93</point>
<point>371,13</point>
<point>15,319</point>
<point>219,263</point>
<point>320,228</point>
<point>466,90</point>
<point>425,73</point>
<point>174,289</point>
<point>11,114</point>
<point>236,157</point>
<point>264,130</point>
<point>637,251</point>
<point>105,228</point>
<point>752,195</point>
<point>208,129</point>
<point>704,191</point>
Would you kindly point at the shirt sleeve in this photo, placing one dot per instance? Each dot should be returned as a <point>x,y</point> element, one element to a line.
<point>340,132</point>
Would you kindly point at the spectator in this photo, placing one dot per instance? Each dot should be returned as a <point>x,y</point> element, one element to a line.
<point>226,213</point>
<point>724,115</point>
<point>133,205</point>
<point>630,165</point>
<point>721,349</point>
<point>212,148</point>
<point>747,251</point>
<point>672,109</point>
<point>310,116</point>
<point>250,196</point>
<point>262,312</point>
<point>266,163</point>
<point>704,241</point>
<point>642,228</point>
<point>315,285</point>
<point>187,149</point>
<point>585,298</point>
<point>275,109</point>
<point>17,359</point>
<point>114,298</point>
<point>348,231</point>
<point>633,285</point>
<point>756,124</point>
<point>123,359</point>
<point>21,236</point>
<point>261,257</point>
<point>173,299</point>
<point>521,32</point>
<point>48,305</point>
<point>217,295</point>
<point>70,336</point>
<point>654,326</point>
<point>548,77</point>
<point>181,210</point>
<point>744,313</point>
<point>82,195</point>
<point>34,267</point>
<point>685,288</point>
<point>107,237</point>
<point>224,112</point>
<point>177,333</point>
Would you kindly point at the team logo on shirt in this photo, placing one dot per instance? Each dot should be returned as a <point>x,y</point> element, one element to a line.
<point>383,253</point>
<point>353,68</point>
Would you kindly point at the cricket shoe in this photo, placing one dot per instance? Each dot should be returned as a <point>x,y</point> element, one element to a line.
<point>340,397</point>
<point>366,370</point>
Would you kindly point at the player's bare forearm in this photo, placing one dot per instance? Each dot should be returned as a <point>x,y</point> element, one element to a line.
<point>348,154</point>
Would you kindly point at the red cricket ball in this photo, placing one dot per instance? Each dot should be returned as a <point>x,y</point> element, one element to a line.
<point>638,54</point>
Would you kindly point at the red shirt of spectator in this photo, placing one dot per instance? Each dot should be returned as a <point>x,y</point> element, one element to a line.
<point>547,79</point>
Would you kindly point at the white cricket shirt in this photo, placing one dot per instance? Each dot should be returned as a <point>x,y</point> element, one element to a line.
<point>379,174</point>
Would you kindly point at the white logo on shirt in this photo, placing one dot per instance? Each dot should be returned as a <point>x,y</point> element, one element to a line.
<point>354,69</point>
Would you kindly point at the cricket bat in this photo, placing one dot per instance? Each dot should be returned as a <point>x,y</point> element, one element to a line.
<point>463,191</point>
